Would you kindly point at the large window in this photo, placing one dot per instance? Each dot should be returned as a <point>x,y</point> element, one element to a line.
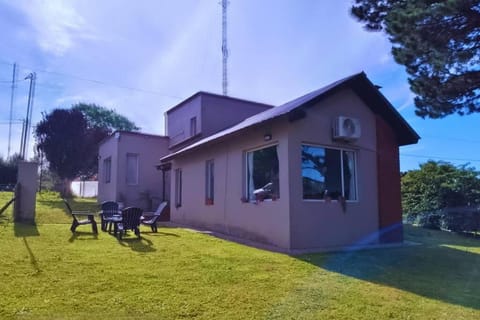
<point>262,174</point>
<point>178,188</point>
<point>328,173</point>
<point>107,169</point>
<point>132,168</point>
<point>209,182</point>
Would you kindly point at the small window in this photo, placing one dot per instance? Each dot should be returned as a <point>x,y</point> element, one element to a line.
<point>328,173</point>
<point>262,181</point>
<point>107,169</point>
<point>178,188</point>
<point>132,169</point>
<point>193,126</point>
<point>209,182</point>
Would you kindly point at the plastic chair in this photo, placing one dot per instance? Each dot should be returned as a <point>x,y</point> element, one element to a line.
<point>151,219</point>
<point>77,222</point>
<point>130,221</point>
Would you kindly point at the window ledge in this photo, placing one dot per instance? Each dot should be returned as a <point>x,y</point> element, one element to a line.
<point>331,201</point>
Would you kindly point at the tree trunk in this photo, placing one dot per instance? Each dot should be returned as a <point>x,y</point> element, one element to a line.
<point>66,188</point>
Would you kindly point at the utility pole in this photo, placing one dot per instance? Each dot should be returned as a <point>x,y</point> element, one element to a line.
<point>224,48</point>
<point>22,156</point>
<point>11,109</point>
<point>31,93</point>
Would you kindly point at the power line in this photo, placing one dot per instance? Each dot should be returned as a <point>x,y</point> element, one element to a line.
<point>452,138</point>
<point>437,157</point>
<point>110,84</point>
<point>13,122</point>
<point>62,74</point>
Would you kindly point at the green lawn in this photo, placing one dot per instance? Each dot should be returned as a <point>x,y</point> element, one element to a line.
<point>47,273</point>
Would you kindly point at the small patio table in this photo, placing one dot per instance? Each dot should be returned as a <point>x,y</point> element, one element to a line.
<point>115,220</point>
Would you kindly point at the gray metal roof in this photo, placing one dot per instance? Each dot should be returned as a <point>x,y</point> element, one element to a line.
<point>358,82</point>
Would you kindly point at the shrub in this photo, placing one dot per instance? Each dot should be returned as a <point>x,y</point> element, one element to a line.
<point>458,219</point>
<point>429,220</point>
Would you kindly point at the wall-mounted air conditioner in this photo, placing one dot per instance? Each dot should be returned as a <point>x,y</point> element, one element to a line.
<point>346,128</point>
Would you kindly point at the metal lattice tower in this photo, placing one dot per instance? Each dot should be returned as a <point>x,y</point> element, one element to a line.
<point>224,48</point>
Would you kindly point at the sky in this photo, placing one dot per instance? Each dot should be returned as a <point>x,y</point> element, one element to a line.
<point>143,57</point>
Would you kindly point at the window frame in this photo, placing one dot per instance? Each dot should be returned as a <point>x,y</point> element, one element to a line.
<point>107,174</point>
<point>193,126</point>
<point>210,182</point>
<point>137,157</point>
<point>245,175</point>
<point>178,187</point>
<point>355,166</point>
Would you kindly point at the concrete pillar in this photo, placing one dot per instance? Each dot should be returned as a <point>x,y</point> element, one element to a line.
<point>26,197</point>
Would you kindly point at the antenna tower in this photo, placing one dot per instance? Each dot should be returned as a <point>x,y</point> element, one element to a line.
<point>224,48</point>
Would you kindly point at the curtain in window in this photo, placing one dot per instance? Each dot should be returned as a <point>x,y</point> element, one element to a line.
<point>263,173</point>
<point>349,175</point>
<point>250,185</point>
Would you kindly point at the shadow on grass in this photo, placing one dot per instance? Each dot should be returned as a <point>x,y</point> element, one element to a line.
<point>160,234</point>
<point>83,235</point>
<point>4,220</point>
<point>437,237</point>
<point>33,259</point>
<point>50,203</point>
<point>141,244</point>
<point>431,270</point>
<point>25,230</point>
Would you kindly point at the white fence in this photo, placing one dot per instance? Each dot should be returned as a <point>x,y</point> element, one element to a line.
<point>85,189</point>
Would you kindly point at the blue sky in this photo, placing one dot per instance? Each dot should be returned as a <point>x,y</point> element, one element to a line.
<point>142,57</point>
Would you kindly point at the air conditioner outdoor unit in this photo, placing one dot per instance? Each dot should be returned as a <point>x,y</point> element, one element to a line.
<point>346,128</point>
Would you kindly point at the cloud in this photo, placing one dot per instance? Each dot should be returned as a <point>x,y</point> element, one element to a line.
<point>408,102</point>
<point>56,24</point>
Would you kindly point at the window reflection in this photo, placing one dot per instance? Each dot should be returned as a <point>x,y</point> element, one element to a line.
<point>262,174</point>
<point>328,173</point>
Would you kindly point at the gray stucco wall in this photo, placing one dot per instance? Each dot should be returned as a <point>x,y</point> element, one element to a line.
<point>266,222</point>
<point>291,222</point>
<point>178,121</point>
<point>323,224</point>
<point>107,191</point>
<point>213,113</point>
<point>149,149</point>
<point>219,113</point>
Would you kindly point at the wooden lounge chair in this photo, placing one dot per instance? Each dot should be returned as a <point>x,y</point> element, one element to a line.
<point>109,213</point>
<point>77,222</point>
<point>150,219</point>
<point>130,221</point>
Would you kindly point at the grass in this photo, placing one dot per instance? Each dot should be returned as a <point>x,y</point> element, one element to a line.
<point>48,273</point>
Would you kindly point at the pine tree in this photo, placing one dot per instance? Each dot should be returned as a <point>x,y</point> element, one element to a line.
<point>438,41</point>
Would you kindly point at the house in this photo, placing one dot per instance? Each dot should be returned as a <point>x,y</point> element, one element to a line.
<point>126,169</point>
<point>127,160</point>
<point>319,172</point>
<point>204,114</point>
